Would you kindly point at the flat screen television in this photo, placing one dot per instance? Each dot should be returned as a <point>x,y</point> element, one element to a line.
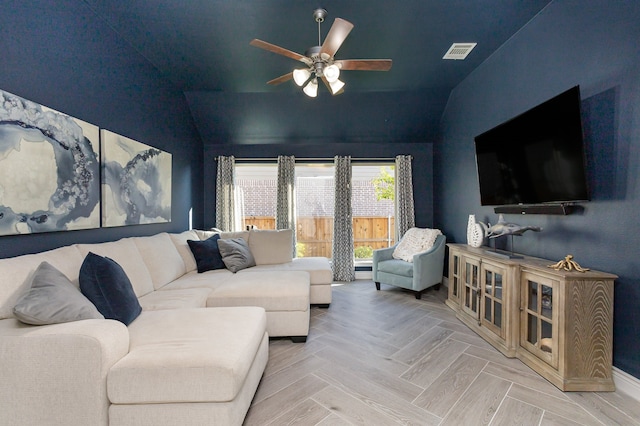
<point>536,157</point>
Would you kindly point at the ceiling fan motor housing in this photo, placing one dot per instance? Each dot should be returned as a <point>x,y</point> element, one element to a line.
<point>318,63</point>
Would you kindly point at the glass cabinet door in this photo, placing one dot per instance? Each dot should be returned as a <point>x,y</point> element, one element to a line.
<point>454,278</point>
<point>492,298</point>
<point>539,317</point>
<point>471,286</point>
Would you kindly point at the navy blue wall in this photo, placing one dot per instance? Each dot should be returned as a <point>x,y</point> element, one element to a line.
<point>422,166</point>
<point>59,54</point>
<point>291,117</point>
<point>593,44</point>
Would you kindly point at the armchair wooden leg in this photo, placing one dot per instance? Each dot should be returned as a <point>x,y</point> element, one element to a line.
<point>378,286</point>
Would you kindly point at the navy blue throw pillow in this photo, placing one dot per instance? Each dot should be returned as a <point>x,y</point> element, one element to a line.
<point>207,254</point>
<point>106,285</point>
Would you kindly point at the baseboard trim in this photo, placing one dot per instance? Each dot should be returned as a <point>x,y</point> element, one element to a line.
<point>364,275</point>
<point>626,383</point>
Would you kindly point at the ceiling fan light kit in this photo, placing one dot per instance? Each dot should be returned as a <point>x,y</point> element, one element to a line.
<point>300,76</point>
<point>311,89</point>
<point>320,60</point>
<point>331,73</point>
<point>336,87</point>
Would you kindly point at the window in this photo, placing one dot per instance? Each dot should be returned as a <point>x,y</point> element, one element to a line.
<point>372,204</point>
<point>373,207</point>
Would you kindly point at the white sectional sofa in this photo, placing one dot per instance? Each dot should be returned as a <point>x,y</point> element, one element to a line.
<point>194,355</point>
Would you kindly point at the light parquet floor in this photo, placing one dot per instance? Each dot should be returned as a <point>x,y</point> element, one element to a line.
<point>385,358</point>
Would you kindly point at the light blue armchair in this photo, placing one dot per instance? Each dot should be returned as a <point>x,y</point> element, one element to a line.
<point>425,271</point>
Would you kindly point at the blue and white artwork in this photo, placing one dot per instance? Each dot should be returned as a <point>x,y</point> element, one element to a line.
<point>136,182</point>
<point>49,169</point>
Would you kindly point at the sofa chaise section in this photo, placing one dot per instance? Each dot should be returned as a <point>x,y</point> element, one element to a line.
<point>189,367</point>
<point>283,295</point>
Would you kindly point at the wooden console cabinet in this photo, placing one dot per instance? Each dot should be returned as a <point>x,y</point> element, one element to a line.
<point>559,323</point>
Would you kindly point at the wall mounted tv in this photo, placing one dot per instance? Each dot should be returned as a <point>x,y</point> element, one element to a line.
<point>536,159</point>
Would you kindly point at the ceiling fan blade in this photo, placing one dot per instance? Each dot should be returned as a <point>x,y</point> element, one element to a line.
<point>365,64</point>
<point>279,50</point>
<point>336,36</point>
<point>281,79</point>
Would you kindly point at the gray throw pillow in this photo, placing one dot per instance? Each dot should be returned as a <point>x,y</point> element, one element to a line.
<point>236,254</point>
<point>53,299</point>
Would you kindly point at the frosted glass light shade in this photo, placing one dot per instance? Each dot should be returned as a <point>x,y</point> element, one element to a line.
<point>311,89</point>
<point>336,86</point>
<point>300,76</point>
<point>331,73</point>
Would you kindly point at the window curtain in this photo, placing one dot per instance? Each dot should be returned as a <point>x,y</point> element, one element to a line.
<point>286,196</point>
<point>343,263</point>
<point>405,214</point>
<point>225,194</point>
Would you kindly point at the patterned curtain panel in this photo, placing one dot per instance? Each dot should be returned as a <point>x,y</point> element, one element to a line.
<point>343,262</point>
<point>286,196</point>
<point>405,214</point>
<point>225,194</point>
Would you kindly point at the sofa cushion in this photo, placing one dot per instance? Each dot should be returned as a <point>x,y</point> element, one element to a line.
<point>161,257</point>
<point>53,299</point>
<point>180,241</point>
<point>271,247</point>
<point>187,355</point>
<point>205,235</point>
<point>207,254</point>
<point>105,283</point>
<point>175,299</point>
<point>126,254</point>
<point>274,291</point>
<point>237,234</point>
<point>16,272</point>
<point>210,279</point>
<point>236,254</point>
<point>414,241</point>
<point>319,269</point>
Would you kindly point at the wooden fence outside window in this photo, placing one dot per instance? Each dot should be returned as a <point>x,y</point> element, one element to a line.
<point>315,234</point>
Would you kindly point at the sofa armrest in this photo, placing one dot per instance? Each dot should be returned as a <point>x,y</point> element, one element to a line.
<point>57,374</point>
<point>428,266</point>
<point>378,256</point>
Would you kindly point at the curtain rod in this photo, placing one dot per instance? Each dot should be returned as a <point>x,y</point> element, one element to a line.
<point>315,159</point>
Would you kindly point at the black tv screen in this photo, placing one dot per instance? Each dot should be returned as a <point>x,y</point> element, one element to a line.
<point>536,157</point>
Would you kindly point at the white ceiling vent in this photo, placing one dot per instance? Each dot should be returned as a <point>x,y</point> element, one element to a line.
<point>459,50</point>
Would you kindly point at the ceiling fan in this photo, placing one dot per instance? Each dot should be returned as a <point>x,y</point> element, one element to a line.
<point>320,59</point>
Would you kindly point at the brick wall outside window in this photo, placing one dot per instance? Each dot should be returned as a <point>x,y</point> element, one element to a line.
<point>314,198</point>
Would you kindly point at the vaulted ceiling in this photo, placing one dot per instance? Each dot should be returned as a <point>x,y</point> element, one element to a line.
<point>202,46</point>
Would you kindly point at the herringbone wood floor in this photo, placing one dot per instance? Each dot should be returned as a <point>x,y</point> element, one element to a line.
<point>385,358</point>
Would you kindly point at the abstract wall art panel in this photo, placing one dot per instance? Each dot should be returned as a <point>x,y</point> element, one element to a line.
<point>136,182</point>
<point>49,169</point>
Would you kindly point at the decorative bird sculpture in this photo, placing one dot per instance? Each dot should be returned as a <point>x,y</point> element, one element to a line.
<point>503,228</point>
